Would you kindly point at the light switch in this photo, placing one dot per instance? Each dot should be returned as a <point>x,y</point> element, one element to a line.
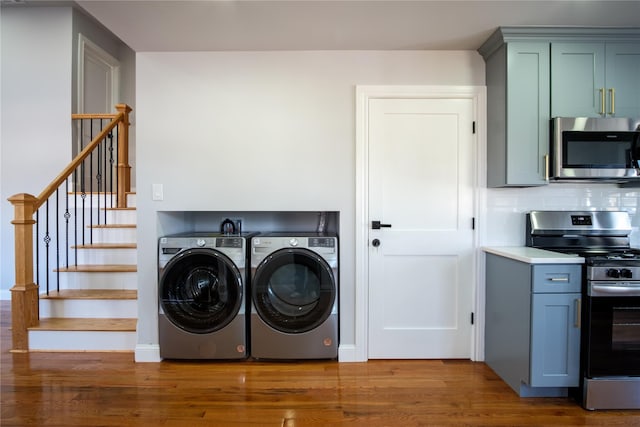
<point>157,192</point>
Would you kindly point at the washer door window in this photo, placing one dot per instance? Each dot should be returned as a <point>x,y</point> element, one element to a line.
<point>294,290</point>
<point>201,290</point>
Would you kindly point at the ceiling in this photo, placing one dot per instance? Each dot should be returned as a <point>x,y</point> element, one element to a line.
<point>220,25</point>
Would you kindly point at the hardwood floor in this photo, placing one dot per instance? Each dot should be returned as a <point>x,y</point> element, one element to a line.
<point>109,389</point>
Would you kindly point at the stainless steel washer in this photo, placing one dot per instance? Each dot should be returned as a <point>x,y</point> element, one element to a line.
<point>294,290</point>
<point>202,296</point>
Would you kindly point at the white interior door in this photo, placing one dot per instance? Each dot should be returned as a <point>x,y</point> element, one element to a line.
<point>421,268</point>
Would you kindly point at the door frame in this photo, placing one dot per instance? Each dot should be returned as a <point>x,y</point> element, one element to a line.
<point>87,48</point>
<point>364,94</point>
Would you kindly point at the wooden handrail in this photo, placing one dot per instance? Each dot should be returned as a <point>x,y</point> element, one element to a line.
<point>80,116</point>
<point>67,171</point>
<point>24,294</point>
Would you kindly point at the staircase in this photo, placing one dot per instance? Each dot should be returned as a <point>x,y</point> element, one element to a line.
<point>96,306</point>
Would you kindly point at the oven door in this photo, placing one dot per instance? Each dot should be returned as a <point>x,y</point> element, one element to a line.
<point>613,336</point>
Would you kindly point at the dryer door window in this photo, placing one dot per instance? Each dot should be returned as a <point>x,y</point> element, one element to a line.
<point>201,290</point>
<point>294,290</point>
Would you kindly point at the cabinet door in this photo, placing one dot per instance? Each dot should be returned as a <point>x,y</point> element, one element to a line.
<point>527,113</point>
<point>623,79</point>
<point>555,340</point>
<point>578,80</point>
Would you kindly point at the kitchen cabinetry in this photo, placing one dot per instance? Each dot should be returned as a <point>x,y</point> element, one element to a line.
<point>595,79</point>
<point>518,114</point>
<point>532,331</point>
<point>536,73</point>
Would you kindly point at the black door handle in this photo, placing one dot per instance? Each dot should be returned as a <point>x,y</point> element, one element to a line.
<point>376,225</point>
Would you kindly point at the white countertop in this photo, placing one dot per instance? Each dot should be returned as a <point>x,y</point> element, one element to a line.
<point>533,255</point>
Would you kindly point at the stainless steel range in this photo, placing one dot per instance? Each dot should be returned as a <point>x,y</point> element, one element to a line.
<point>610,338</point>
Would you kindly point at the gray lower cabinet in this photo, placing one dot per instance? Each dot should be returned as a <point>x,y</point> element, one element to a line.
<point>532,332</point>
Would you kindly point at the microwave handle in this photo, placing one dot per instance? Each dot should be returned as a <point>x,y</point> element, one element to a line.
<point>546,167</point>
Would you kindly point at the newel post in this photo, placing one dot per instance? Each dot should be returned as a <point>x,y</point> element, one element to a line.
<point>24,294</point>
<point>124,170</point>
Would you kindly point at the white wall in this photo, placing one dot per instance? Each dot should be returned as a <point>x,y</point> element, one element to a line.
<point>35,133</point>
<point>262,131</point>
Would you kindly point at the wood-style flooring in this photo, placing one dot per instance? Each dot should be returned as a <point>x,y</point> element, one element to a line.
<point>110,389</point>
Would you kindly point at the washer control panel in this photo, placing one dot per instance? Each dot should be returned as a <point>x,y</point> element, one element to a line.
<point>322,242</point>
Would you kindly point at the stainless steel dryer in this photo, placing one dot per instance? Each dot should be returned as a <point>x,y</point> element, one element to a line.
<point>202,296</point>
<point>294,289</point>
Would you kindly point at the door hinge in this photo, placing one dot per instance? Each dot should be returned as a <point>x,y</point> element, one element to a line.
<point>473,127</point>
<point>472,318</point>
<point>473,223</point>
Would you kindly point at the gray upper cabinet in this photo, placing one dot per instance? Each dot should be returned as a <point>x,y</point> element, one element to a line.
<point>518,89</point>
<point>536,73</point>
<point>595,79</point>
<point>622,73</point>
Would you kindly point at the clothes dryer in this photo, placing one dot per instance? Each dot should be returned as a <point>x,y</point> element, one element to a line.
<point>294,289</point>
<point>203,296</point>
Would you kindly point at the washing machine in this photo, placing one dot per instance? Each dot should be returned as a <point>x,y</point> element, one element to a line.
<point>203,296</point>
<point>294,295</point>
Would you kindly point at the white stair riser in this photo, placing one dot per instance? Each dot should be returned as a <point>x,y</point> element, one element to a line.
<point>106,256</point>
<point>114,235</point>
<point>96,199</point>
<point>94,216</point>
<point>82,340</point>
<point>120,216</point>
<point>106,280</point>
<point>82,308</point>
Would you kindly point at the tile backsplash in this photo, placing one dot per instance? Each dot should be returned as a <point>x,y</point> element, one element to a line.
<point>506,207</point>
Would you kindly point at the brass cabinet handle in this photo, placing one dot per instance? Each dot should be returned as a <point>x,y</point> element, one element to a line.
<point>578,303</point>
<point>602,101</point>
<point>612,96</point>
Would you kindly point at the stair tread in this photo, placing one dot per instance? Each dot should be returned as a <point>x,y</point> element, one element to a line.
<point>129,208</point>
<point>99,192</point>
<point>112,226</point>
<point>79,324</point>
<point>100,268</point>
<point>91,294</point>
<point>106,246</point>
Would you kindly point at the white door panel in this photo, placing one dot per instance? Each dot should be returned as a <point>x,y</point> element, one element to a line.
<point>421,183</point>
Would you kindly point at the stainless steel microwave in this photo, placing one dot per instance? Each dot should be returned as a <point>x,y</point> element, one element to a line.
<point>586,148</point>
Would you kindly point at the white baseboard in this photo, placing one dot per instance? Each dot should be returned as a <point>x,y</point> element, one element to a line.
<point>147,353</point>
<point>350,353</point>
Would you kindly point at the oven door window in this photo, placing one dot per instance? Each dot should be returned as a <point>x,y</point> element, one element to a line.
<point>614,337</point>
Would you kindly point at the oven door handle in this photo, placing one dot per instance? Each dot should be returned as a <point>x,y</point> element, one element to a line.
<point>608,290</point>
